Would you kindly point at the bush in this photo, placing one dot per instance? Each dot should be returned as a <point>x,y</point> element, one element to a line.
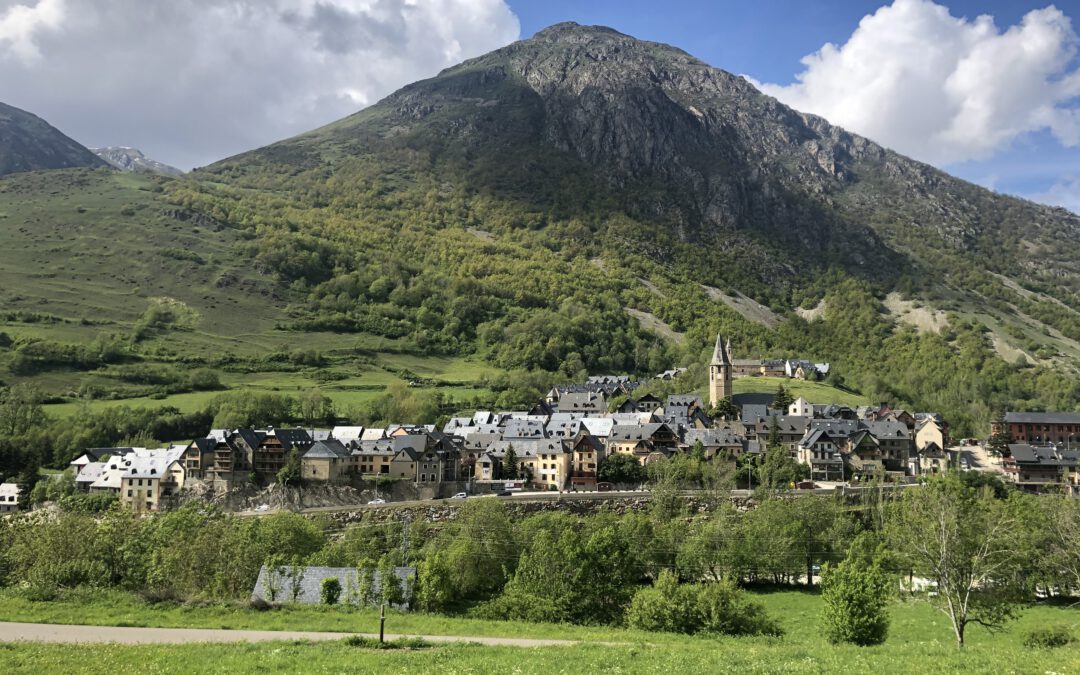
<point>856,603</point>
<point>720,608</point>
<point>330,590</point>
<point>1049,636</point>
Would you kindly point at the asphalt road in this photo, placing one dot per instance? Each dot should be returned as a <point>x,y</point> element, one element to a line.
<point>68,634</point>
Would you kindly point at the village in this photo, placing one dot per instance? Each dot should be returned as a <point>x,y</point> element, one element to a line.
<point>561,444</point>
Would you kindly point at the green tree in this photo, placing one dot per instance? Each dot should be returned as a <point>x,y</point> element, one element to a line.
<point>725,409</point>
<point>20,410</point>
<point>391,591</point>
<point>776,469</point>
<point>782,399</point>
<point>967,543</point>
<point>510,463</point>
<point>330,590</point>
<point>291,473</point>
<point>697,451</point>
<point>856,598</point>
<point>620,467</point>
<point>999,440</point>
<point>315,407</point>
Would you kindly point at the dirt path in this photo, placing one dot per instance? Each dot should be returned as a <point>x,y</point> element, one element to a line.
<point>44,632</point>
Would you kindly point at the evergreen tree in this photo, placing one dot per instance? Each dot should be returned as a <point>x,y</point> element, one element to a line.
<point>782,399</point>
<point>510,463</point>
<point>999,441</point>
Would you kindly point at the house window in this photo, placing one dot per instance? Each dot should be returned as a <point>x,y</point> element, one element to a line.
<point>129,493</point>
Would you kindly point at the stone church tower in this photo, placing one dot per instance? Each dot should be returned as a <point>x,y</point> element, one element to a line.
<point>720,372</point>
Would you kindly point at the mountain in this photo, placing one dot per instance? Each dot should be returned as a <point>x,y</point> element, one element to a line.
<point>29,143</point>
<point>131,159</point>
<point>700,153</point>
<point>577,201</point>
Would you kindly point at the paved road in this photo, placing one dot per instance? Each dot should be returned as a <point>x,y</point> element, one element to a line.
<point>44,632</point>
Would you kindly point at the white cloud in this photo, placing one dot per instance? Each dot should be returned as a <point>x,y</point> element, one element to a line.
<point>1065,192</point>
<point>19,23</point>
<point>944,89</point>
<point>192,81</point>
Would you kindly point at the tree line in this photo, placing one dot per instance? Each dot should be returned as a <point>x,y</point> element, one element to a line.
<point>984,557</point>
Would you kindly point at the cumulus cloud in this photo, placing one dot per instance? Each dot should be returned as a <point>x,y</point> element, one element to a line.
<point>192,81</point>
<point>945,89</point>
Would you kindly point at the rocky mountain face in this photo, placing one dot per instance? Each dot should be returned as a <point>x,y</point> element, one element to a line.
<point>132,159</point>
<point>29,143</point>
<point>705,156</point>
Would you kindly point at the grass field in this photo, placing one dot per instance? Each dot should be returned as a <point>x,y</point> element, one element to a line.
<point>815,392</point>
<point>919,642</point>
<point>459,378</point>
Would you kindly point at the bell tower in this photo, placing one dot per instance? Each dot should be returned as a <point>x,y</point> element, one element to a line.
<point>720,372</point>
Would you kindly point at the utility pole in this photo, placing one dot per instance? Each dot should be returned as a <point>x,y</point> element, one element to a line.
<point>809,557</point>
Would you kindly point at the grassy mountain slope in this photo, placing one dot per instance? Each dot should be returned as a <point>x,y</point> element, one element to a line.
<point>29,143</point>
<point>577,201</point>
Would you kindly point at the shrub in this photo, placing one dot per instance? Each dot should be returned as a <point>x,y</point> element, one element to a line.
<point>856,603</point>
<point>725,609</point>
<point>330,590</point>
<point>665,606</point>
<point>1049,636</point>
<point>720,608</point>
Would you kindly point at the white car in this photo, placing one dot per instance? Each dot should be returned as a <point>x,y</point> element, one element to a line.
<point>376,502</point>
<point>460,495</point>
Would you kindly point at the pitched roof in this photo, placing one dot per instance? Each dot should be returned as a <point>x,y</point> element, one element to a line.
<point>1042,418</point>
<point>328,449</point>
<point>721,355</point>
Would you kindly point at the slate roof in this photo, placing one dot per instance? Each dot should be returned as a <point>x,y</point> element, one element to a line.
<point>1042,418</point>
<point>712,438</point>
<point>526,448</point>
<point>524,428</point>
<point>635,432</point>
<point>883,429</point>
<point>328,449</point>
<point>1022,453</point>
<point>598,426</point>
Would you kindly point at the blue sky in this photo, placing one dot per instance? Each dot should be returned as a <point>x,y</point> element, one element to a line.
<point>766,40</point>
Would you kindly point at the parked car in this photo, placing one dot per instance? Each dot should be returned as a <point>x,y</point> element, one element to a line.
<point>376,502</point>
<point>504,493</point>
<point>460,495</point>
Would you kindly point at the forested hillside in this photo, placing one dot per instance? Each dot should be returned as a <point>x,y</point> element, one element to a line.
<point>580,201</point>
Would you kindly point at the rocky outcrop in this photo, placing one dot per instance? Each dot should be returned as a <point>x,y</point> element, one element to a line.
<point>131,159</point>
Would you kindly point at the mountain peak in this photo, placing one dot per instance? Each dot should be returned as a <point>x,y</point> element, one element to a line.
<point>133,159</point>
<point>29,143</point>
<point>572,29</point>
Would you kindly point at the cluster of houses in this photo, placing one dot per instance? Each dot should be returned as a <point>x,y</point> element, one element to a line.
<point>1041,454</point>
<point>560,443</point>
<point>557,445</point>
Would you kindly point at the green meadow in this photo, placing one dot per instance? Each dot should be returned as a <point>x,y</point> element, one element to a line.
<point>919,642</point>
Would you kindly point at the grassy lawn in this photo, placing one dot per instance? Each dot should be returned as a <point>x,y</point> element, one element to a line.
<point>815,392</point>
<point>919,642</point>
